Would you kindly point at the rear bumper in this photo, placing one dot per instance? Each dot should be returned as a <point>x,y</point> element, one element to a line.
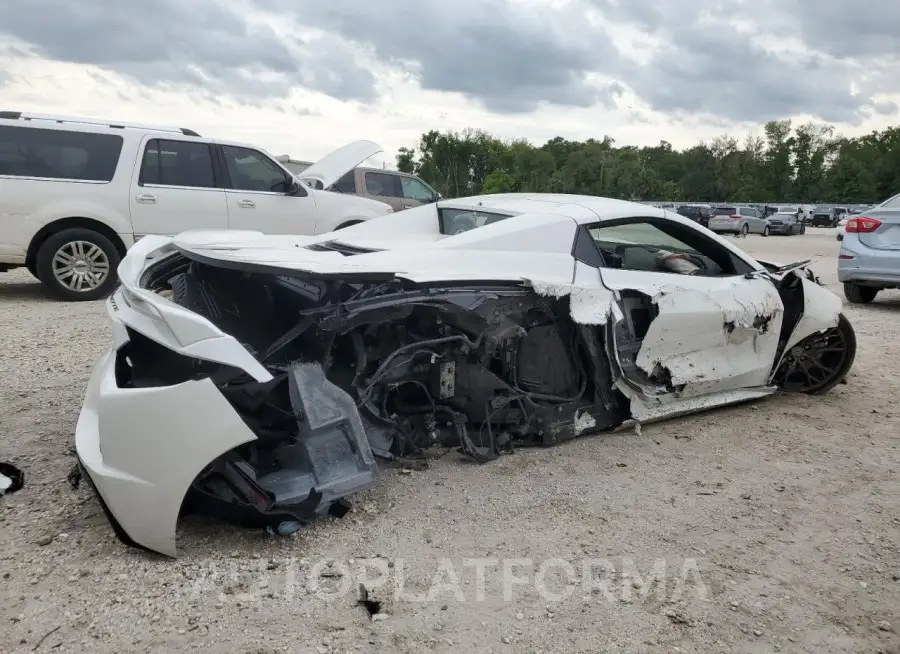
<point>867,266</point>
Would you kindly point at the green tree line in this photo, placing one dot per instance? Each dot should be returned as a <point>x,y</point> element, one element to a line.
<point>808,163</point>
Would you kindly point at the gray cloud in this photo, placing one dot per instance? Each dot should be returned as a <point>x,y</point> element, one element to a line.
<point>200,43</point>
<point>508,56</point>
<point>711,62</point>
<point>715,56</point>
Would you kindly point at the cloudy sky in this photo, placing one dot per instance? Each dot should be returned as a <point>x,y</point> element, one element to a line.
<point>304,76</point>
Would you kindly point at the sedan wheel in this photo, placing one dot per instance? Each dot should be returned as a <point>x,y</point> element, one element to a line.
<point>857,294</point>
<point>819,362</point>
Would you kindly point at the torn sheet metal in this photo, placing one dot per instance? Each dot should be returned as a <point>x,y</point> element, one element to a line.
<point>648,409</point>
<point>588,305</point>
<point>705,342</point>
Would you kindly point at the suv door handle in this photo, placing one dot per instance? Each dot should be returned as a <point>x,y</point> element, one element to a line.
<point>246,204</point>
<point>146,198</point>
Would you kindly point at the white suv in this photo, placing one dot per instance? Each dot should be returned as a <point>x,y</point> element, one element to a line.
<point>75,194</point>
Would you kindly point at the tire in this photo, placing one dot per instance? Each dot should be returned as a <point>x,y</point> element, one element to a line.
<point>789,378</point>
<point>802,229</point>
<point>765,230</point>
<point>79,252</point>
<point>745,229</point>
<point>857,294</point>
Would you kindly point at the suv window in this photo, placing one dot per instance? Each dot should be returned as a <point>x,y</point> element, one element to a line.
<point>177,163</point>
<point>413,189</point>
<point>383,184</point>
<point>457,221</point>
<point>58,154</point>
<point>347,183</point>
<point>662,246</point>
<point>251,170</point>
<point>748,211</point>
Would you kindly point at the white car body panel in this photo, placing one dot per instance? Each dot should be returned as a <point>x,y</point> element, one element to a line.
<point>704,334</point>
<point>139,479</point>
<point>330,168</point>
<point>167,323</point>
<point>716,336</point>
<point>821,311</point>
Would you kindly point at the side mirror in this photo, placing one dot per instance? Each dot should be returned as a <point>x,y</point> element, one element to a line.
<point>294,186</point>
<point>437,196</point>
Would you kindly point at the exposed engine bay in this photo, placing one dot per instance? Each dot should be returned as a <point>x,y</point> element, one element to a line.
<point>375,368</point>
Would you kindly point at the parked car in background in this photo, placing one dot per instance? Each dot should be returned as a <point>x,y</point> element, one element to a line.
<point>738,220</point>
<point>397,189</point>
<point>824,217</point>
<point>869,259</point>
<point>76,193</point>
<point>786,223</point>
<point>699,213</point>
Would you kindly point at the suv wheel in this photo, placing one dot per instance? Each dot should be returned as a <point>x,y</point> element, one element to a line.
<point>857,294</point>
<point>78,264</point>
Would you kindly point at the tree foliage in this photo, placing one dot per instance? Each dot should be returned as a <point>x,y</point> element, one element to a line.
<point>785,163</point>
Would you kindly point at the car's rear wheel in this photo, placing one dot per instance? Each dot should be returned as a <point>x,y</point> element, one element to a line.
<point>857,294</point>
<point>819,362</point>
<point>78,264</point>
<point>745,229</point>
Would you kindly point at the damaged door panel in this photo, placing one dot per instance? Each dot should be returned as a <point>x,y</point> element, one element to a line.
<point>692,336</point>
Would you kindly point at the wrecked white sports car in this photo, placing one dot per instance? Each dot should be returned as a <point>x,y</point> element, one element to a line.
<point>257,377</point>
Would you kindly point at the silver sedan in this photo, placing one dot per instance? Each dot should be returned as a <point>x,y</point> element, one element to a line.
<point>738,220</point>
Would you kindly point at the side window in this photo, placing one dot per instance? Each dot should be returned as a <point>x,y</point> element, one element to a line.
<point>347,183</point>
<point>177,163</point>
<point>58,154</point>
<point>662,246</point>
<point>413,189</point>
<point>457,221</point>
<point>251,170</point>
<point>383,184</point>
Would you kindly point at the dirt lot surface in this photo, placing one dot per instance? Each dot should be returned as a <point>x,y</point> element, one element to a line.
<point>778,524</point>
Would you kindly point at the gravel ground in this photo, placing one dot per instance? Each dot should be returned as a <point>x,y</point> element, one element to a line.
<point>778,524</point>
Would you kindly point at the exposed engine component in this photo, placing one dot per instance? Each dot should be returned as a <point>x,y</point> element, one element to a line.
<point>383,368</point>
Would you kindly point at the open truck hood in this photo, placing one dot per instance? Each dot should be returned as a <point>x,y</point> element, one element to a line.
<point>330,168</point>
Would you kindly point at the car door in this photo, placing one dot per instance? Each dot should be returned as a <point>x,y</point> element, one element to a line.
<point>415,192</point>
<point>384,187</point>
<point>176,187</point>
<point>748,218</point>
<point>711,331</point>
<point>263,196</point>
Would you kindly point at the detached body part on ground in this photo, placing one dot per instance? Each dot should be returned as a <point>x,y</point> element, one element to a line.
<point>257,378</point>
